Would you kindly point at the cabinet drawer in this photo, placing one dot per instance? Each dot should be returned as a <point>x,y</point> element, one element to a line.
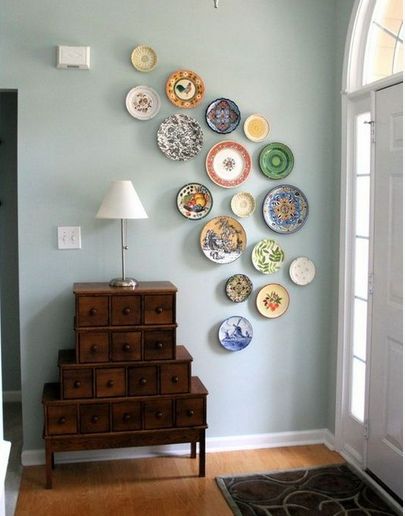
<point>77,383</point>
<point>158,414</point>
<point>159,309</point>
<point>126,346</point>
<point>92,311</point>
<point>126,416</point>
<point>93,347</point>
<point>94,418</point>
<point>142,381</point>
<point>61,420</point>
<point>125,310</point>
<point>174,378</point>
<point>159,345</point>
<point>190,412</point>
<point>110,382</point>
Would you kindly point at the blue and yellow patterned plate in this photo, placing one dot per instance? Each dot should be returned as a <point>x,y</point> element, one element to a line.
<point>285,209</point>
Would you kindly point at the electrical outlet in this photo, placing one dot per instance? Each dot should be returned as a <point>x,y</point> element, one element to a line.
<point>69,237</point>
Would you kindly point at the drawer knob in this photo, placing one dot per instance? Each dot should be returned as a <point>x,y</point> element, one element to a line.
<point>126,416</point>
<point>77,384</point>
<point>94,348</point>
<point>93,311</point>
<point>110,383</point>
<point>175,379</point>
<point>94,419</point>
<point>159,345</point>
<point>62,420</point>
<point>159,309</point>
<point>190,412</point>
<point>126,347</point>
<point>159,415</point>
<point>126,310</point>
<point>143,381</point>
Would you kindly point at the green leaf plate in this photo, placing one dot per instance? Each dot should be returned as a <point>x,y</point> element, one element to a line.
<point>267,256</point>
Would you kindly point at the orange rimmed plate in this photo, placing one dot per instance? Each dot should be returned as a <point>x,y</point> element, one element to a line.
<point>228,164</point>
<point>185,89</point>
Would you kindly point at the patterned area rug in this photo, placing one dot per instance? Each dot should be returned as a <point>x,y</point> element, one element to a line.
<point>330,491</point>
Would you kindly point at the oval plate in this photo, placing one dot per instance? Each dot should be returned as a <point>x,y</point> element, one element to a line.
<point>228,164</point>
<point>235,333</point>
<point>272,300</point>
<point>267,256</point>
<point>256,128</point>
<point>185,89</point>
<point>222,116</point>
<point>144,58</point>
<point>302,270</point>
<point>276,160</point>
<point>143,102</point>
<point>194,201</point>
<point>223,239</point>
<point>243,204</point>
<point>238,288</point>
<point>180,137</point>
<point>285,209</point>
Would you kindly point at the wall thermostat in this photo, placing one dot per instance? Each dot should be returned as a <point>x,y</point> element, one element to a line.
<point>73,57</point>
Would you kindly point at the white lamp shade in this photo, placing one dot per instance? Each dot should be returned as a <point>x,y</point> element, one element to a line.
<point>121,202</point>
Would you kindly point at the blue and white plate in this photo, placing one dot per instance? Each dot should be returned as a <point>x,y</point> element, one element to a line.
<point>223,116</point>
<point>285,209</point>
<point>235,333</point>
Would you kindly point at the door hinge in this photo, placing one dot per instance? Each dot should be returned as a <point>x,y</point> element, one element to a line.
<point>365,429</point>
<point>371,123</point>
<point>371,283</point>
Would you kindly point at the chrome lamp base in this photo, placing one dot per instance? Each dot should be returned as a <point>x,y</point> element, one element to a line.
<point>124,282</point>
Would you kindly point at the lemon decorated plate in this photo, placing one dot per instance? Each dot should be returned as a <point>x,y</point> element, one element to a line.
<point>256,128</point>
<point>267,256</point>
<point>194,201</point>
<point>272,300</point>
<point>144,58</point>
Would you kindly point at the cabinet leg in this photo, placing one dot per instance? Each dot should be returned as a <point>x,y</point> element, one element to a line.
<point>202,454</point>
<point>48,465</point>
<point>193,452</point>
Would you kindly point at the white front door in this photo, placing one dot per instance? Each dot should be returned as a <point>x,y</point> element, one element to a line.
<point>384,446</point>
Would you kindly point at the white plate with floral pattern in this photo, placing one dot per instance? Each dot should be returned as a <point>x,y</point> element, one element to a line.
<point>143,102</point>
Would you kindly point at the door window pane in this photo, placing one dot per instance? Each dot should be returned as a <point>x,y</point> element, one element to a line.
<point>358,389</point>
<point>363,144</point>
<point>362,205</point>
<point>360,329</point>
<point>361,268</point>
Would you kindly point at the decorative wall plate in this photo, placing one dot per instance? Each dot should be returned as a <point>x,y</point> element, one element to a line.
<point>143,102</point>
<point>185,89</point>
<point>272,300</point>
<point>267,256</point>
<point>243,204</point>
<point>144,58</point>
<point>228,164</point>
<point>235,333</point>
<point>285,209</point>
<point>238,288</point>
<point>302,270</point>
<point>223,239</point>
<point>222,116</point>
<point>180,137</point>
<point>256,128</point>
<point>194,201</point>
<point>276,160</point>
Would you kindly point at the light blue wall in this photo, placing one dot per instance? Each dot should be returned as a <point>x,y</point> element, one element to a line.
<point>75,136</point>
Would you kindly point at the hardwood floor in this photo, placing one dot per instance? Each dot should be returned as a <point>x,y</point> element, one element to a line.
<point>161,486</point>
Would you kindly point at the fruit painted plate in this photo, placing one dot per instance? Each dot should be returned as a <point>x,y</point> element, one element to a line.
<point>276,160</point>
<point>272,300</point>
<point>185,89</point>
<point>223,239</point>
<point>144,58</point>
<point>180,137</point>
<point>222,116</point>
<point>302,270</point>
<point>285,209</point>
<point>228,164</point>
<point>256,128</point>
<point>243,204</point>
<point>267,256</point>
<point>194,201</point>
<point>143,102</point>
<point>235,333</point>
<point>238,288</point>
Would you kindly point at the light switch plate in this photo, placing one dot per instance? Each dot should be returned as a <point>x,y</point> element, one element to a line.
<point>73,57</point>
<point>69,237</point>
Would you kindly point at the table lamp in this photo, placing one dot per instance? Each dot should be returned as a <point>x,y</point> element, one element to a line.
<point>122,202</point>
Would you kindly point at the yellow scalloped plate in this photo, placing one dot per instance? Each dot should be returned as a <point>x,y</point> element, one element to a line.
<point>256,128</point>
<point>144,58</point>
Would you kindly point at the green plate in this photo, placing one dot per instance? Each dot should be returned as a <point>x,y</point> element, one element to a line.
<point>267,256</point>
<point>276,160</point>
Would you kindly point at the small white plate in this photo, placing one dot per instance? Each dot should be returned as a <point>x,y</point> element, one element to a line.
<point>256,128</point>
<point>243,204</point>
<point>302,270</point>
<point>144,58</point>
<point>143,102</point>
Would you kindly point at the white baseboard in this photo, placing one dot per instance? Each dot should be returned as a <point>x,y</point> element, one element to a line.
<point>213,444</point>
<point>12,396</point>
